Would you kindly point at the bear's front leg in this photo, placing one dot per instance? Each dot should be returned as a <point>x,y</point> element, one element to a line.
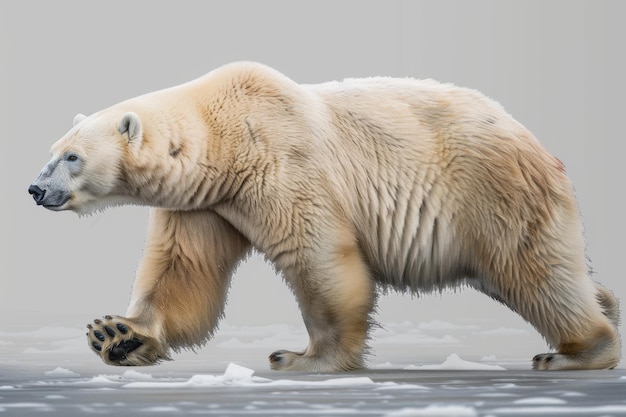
<point>180,290</point>
<point>121,341</point>
<point>336,300</point>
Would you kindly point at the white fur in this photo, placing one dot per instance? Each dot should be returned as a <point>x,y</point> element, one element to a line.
<point>346,187</point>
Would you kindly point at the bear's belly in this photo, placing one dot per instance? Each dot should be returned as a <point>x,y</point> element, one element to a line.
<point>423,258</point>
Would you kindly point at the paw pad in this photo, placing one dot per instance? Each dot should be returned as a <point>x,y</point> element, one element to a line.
<point>122,328</point>
<point>120,351</point>
<point>107,339</point>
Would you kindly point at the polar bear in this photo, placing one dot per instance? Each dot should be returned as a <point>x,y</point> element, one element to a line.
<point>346,187</point>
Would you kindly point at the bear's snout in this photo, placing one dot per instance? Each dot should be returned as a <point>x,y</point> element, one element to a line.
<point>50,198</point>
<point>37,193</point>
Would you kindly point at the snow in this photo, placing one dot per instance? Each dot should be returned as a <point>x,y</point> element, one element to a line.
<point>237,375</point>
<point>394,386</point>
<point>333,382</point>
<point>540,400</point>
<point>435,410</point>
<point>38,406</point>
<point>136,375</point>
<point>579,410</point>
<point>51,370</point>
<point>58,371</point>
<point>454,362</point>
<point>161,410</point>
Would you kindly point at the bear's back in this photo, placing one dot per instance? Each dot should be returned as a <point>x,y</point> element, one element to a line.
<point>427,168</point>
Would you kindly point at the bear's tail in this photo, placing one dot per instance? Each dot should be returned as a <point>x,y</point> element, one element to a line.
<point>609,304</point>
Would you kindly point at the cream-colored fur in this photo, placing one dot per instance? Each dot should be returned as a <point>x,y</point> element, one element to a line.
<point>345,187</point>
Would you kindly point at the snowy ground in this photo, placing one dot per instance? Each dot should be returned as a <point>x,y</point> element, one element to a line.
<point>417,369</point>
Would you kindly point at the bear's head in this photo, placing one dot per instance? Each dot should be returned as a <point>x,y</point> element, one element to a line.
<point>85,172</point>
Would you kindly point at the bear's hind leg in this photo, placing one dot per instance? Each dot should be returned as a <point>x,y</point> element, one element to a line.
<point>336,300</point>
<point>534,262</point>
<point>575,316</point>
<point>588,337</point>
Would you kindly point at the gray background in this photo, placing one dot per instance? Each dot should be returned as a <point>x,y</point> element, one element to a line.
<point>557,66</point>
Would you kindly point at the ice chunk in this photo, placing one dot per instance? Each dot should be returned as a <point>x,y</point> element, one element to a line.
<point>561,410</point>
<point>540,400</point>
<point>390,385</point>
<point>237,373</point>
<point>347,381</point>
<point>386,365</point>
<point>136,376</point>
<point>38,406</point>
<point>571,394</point>
<point>335,382</point>
<point>58,371</point>
<point>435,410</point>
<point>102,380</point>
<point>162,409</point>
<point>234,375</point>
<point>454,362</point>
<point>194,381</point>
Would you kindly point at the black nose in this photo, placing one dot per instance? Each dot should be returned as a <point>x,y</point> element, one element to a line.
<point>37,193</point>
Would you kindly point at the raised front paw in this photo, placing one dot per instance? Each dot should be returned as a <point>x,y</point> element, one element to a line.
<point>116,341</point>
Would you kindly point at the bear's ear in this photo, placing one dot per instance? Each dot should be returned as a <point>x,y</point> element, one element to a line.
<point>131,125</point>
<point>79,118</point>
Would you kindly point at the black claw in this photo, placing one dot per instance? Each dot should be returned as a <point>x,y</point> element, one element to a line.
<point>109,331</point>
<point>107,317</point>
<point>97,321</point>
<point>97,346</point>
<point>275,357</point>
<point>122,349</point>
<point>89,326</point>
<point>99,335</point>
<point>543,358</point>
<point>122,328</point>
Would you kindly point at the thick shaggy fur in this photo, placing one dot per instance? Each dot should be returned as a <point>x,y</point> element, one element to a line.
<point>345,187</point>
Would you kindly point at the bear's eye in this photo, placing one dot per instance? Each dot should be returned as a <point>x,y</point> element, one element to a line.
<point>72,157</point>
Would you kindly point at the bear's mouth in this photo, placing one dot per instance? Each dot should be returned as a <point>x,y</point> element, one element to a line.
<point>56,205</point>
